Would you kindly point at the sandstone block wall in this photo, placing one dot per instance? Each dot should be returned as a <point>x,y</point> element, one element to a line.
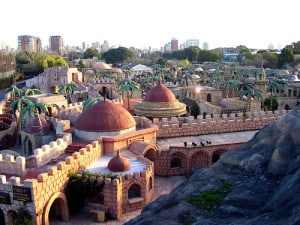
<point>11,165</point>
<point>216,123</point>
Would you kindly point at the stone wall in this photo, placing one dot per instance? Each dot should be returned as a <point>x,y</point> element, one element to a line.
<point>8,122</point>
<point>215,124</point>
<point>190,157</point>
<point>11,165</point>
<point>115,191</point>
<point>51,151</point>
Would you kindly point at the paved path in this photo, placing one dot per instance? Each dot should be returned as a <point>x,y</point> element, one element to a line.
<point>223,138</point>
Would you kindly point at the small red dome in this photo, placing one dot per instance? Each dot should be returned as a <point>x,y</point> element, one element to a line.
<point>117,70</point>
<point>160,93</point>
<point>118,163</point>
<point>105,116</point>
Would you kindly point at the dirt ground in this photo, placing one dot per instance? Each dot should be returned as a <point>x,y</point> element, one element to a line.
<point>163,185</point>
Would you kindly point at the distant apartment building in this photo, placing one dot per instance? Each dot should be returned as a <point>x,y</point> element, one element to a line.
<point>104,47</point>
<point>192,42</point>
<point>29,43</point>
<point>168,47</point>
<point>56,44</point>
<point>174,44</point>
<point>205,46</point>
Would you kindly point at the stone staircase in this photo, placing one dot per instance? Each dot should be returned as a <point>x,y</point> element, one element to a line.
<point>76,146</point>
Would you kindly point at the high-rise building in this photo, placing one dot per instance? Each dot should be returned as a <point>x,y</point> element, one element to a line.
<point>270,46</point>
<point>104,47</point>
<point>29,43</point>
<point>174,44</point>
<point>56,44</point>
<point>192,42</point>
<point>83,46</point>
<point>205,46</point>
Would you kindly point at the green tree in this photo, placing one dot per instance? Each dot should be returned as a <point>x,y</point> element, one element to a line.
<point>250,92</point>
<point>286,57</point>
<point>296,48</point>
<point>67,90</point>
<point>162,61</point>
<point>128,86</point>
<point>195,110</point>
<point>191,53</point>
<point>14,91</point>
<point>209,55</point>
<point>117,55</point>
<point>90,101</point>
<point>90,53</point>
<point>244,55</point>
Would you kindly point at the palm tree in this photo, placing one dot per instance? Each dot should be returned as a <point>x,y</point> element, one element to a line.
<point>275,86</point>
<point>31,91</point>
<point>250,92</point>
<point>128,86</point>
<point>34,109</point>
<point>14,91</point>
<point>87,103</point>
<point>185,76</point>
<point>67,90</point>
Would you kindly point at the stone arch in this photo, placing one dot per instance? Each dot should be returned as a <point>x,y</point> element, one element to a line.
<point>149,151</point>
<point>216,155</point>
<point>150,184</point>
<point>134,191</point>
<point>28,146</point>
<point>199,160</point>
<point>208,97</point>
<point>59,201</point>
<point>178,159</point>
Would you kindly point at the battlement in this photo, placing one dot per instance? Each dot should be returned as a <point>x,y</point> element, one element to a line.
<point>101,80</point>
<point>12,165</point>
<point>52,150</point>
<point>186,126</point>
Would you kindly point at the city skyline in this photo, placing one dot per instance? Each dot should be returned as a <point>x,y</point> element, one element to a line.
<point>145,24</point>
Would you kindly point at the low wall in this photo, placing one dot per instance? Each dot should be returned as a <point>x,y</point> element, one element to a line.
<point>52,150</point>
<point>11,165</point>
<point>188,126</point>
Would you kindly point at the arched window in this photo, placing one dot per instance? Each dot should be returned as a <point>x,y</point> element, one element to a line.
<point>215,157</point>
<point>208,97</point>
<point>2,217</point>
<point>176,162</point>
<point>134,191</point>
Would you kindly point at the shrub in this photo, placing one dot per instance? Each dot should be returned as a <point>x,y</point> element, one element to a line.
<point>22,217</point>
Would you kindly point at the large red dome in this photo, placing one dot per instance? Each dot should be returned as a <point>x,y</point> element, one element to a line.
<point>160,93</point>
<point>105,116</point>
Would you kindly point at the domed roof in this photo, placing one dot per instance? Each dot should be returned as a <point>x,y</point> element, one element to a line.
<point>105,116</point>
<point>102,66</point>
<point>250,80</point>
<point>89,72</point>
<point>117,70</point>
<point>160,93</point>
<point>118,163</point>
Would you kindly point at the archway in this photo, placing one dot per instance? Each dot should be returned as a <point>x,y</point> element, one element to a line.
<point>150,154</point>
<point>134,191</point>
<point>208,97</point>
<point>216,155</point>
<point>58,206</point>
<point>28,147</point>
<point>2,217</point>
<point>199,160</point>
<point>178,160</point>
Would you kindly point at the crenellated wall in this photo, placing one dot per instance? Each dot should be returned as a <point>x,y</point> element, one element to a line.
<point>212,124</point>
<point>51,151</point>
<point>11,165</point>
<point>115,192</point>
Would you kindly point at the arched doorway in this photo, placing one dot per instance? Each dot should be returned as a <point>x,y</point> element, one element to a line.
<point>150,154</point>
<point>56,208</point>
<point>208,97</point>
<point>216,155</point>
<point>134,191</point>
<point>178,164</point>
<point>2,217</point>
<point>28,148</point>
<point>199,160</point>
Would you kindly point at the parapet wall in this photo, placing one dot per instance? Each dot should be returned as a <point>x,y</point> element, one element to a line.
<point>52,150</point>
<point>216,123</point>
<point>47,184</point>
<point>11,165</point>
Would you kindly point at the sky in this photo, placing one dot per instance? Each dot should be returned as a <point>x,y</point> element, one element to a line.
<point>153,23</point>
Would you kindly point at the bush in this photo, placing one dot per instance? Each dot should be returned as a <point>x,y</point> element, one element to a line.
<point>22,217</point>
<point>209,200</point>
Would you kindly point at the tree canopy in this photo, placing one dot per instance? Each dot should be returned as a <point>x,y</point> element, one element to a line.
<point>117,55</point>
<point>90,53</point>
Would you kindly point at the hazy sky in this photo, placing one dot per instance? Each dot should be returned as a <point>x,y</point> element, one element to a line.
<point>144,23</point>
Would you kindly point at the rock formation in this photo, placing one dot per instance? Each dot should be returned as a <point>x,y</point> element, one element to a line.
<point>259,183</point>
